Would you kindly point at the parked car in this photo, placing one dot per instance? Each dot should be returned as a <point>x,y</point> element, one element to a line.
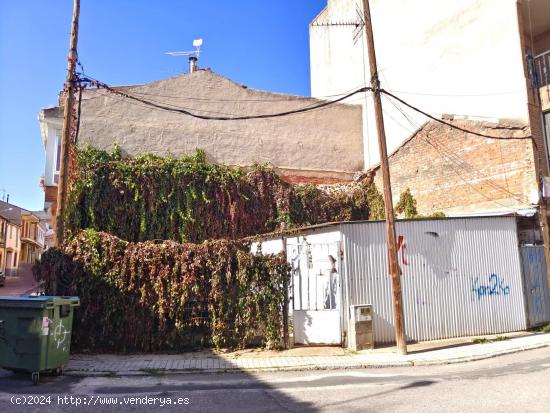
<point>2,278</point>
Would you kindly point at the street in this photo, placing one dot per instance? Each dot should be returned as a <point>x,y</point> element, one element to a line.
<point>23,283</point>
<point>513,383</point>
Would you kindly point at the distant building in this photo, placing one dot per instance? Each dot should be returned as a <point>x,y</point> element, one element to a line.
<point>4,228</point>
<point>10,224</point>
<point>33,233</point>
<point>323,145</point>
<point>24,233</point>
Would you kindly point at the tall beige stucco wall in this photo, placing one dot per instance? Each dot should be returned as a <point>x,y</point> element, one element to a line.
<point>461,57</point>
<point>324,142</point>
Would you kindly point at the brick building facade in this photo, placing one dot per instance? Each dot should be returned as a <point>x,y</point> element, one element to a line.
<point>462,174</point>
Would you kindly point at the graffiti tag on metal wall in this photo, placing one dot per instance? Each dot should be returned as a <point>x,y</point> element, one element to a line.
<point>495,286</point>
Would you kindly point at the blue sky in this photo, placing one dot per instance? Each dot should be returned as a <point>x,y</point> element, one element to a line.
<point>263,44</point>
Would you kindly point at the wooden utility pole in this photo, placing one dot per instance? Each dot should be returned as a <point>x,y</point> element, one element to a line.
<point>70,89</point>
<point>388,202</point>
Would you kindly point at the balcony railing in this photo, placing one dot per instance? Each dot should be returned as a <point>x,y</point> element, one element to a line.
<point>542,69</point>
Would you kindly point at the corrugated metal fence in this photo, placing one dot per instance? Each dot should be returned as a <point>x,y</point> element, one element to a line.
<point>460,276</point>
<point>536,286</point>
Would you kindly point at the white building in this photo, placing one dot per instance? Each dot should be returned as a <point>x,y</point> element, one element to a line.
<point>460,57</point>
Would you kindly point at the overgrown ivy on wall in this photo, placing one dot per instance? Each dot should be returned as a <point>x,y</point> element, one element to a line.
<point>191,200</point>
<point>167,296</point>
<point>150,253</point>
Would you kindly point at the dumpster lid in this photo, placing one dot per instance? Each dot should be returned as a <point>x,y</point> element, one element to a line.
<point>39,301</point>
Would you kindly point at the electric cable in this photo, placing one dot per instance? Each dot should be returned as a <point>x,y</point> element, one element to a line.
<point>482,135</point>
<point>212,100</point>
<point>444,157</point>
<point>452,157</point>
<point>101,85</point>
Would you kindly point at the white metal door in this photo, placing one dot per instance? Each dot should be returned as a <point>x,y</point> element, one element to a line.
<point>315,294</point>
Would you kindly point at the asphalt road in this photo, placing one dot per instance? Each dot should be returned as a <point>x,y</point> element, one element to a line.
<point>515,383</point>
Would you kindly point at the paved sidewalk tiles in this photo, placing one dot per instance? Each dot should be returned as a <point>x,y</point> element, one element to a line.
<point>83,365</point>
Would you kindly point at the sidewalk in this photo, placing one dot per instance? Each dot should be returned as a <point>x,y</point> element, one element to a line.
<point>304,358</point>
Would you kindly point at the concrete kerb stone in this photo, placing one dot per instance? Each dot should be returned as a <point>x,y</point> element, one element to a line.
<point>361,361</point>
<point>476,357</point>
<point>310,367</point>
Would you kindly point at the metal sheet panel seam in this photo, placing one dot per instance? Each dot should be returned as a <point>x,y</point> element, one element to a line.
<point>460,277</point>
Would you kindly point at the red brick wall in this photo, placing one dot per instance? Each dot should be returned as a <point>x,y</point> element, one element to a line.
<point>50,193</point>
<point>542,43</point>
<point>454,172</point>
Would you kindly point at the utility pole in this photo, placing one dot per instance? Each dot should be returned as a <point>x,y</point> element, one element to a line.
<point>70,89</point>
<point>388,202</point>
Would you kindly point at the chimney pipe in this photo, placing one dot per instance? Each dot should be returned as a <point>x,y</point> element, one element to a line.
<point>193,64</point>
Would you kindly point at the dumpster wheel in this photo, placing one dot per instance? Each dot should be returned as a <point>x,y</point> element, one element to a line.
<point>57,371</point>
<point>35,378</point>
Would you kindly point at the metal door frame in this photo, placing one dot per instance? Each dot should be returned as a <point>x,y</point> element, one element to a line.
<point>297,291</point>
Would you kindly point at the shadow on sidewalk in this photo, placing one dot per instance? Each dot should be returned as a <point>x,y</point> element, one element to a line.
<point>145,374</point>
<point>238,391</point>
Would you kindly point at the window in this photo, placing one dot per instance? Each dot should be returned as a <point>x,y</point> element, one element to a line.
<point>542,68</point>
<point>547,129</point>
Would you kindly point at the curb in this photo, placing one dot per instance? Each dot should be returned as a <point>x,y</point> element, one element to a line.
<point>466,359</point>
<point>309,367</point>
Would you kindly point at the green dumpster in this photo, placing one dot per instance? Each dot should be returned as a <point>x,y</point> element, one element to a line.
<point>35,333</point>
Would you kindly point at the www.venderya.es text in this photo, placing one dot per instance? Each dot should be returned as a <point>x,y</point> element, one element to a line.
<point>96,400</point>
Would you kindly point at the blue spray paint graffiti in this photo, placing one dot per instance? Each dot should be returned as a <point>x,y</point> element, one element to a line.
<point>495,286</point>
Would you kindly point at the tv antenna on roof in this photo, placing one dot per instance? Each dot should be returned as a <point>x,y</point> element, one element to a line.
<point>193,55</point>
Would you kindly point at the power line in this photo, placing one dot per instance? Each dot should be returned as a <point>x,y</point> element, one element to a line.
<point>457,159</point>
<point>225,117</point>
<point>461,163</point>
<point>118,98</point>
<point>445,157</point>
<point>482,135</point>
<point>312,106</point>
<point>531,138</point>
<point>78,112</point>
<point>101,85</point>
<point>457,95</point>
<point>211,100</point>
